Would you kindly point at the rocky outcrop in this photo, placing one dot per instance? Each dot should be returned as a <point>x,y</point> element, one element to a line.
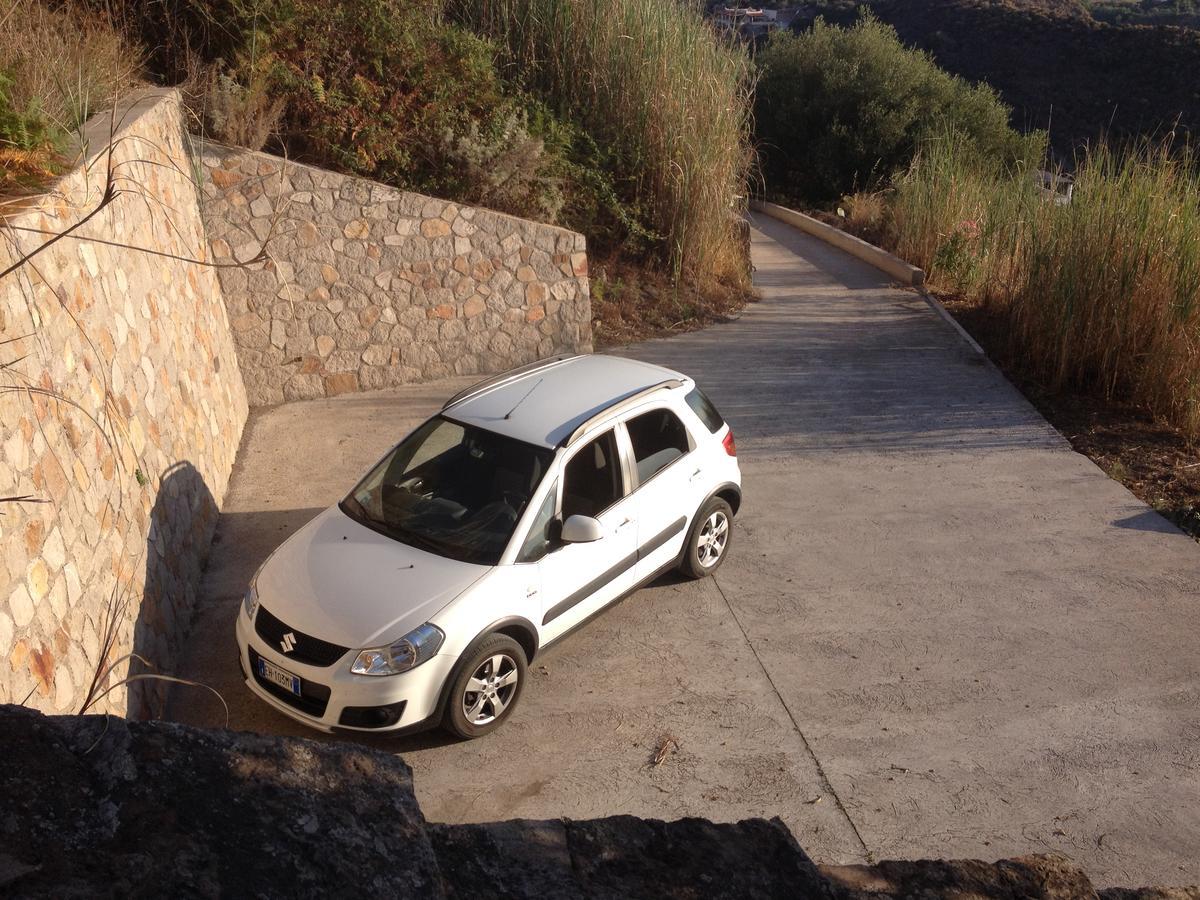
<point>101,806</point>
<point>623,856</point>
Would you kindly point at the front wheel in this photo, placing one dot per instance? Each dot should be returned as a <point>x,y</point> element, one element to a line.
<point>487,688</point>
<point>709,539</point>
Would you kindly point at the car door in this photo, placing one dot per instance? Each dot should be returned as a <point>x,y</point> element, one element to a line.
<point>580,578</point>
<point>664,463</point>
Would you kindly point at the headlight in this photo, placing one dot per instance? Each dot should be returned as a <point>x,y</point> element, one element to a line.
<point>250,600</point>
<point>410,651</point>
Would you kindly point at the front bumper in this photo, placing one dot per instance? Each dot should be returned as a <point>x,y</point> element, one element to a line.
<point>335,698</point>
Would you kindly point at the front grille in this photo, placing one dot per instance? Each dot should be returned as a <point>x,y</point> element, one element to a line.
<point>313,697</point>
<point>304,648</point>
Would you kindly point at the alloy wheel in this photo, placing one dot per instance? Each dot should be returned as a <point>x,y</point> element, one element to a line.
<point>490,689</point>
<point>712,539</point>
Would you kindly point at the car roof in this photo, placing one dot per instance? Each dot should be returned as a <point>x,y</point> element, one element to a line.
<point>546,402</point>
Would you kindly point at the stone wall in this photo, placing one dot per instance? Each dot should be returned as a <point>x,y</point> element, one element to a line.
<point>125,468</point>
<point>368,287</point>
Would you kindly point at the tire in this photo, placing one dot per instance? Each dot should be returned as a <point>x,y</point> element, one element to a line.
<point>471,713</point>
<point>703,553</point>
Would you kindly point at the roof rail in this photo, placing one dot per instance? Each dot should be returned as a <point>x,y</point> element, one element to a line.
<point>620,405</point>
<point>504,377</point>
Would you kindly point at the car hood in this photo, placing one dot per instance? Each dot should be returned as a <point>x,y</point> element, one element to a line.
<point>341,582</point>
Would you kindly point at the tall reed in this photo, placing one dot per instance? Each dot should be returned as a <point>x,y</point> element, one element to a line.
<point>1101,294</point>
<point>653,80</point>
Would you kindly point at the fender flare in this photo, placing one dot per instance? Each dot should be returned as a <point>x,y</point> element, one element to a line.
<point>500,624</point>
<point>729,488</point>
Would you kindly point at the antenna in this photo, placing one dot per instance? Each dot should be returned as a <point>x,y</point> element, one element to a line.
<point>508,415</point>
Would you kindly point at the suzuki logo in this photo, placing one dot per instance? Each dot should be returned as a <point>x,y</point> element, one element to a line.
<point>288,643</point>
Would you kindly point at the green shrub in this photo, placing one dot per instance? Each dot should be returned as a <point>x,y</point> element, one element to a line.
<point>381,88</point>
<point>21,128</point>
<point>844,109</point>
<point>508,168</point>
<point>384,89</point>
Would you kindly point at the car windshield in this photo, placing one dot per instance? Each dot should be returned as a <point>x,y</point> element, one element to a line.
<point>453,489</point>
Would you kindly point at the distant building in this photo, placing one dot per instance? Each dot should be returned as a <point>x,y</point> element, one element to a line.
<point>1056,186</point>
<point>747,21</point>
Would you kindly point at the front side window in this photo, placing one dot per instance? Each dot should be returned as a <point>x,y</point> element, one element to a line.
<point>592,481</point>
<point>658,439</point>
<point>453,489</point>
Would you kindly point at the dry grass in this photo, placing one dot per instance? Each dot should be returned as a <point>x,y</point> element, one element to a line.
<point>60,65</point>
<point>865,214</point>
<point>631,303</point>
<point>653,79</point>
<point>241,115</point>
<point>1099,296</point>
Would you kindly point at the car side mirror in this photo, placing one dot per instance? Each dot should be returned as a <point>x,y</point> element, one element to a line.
<point>581,530</point>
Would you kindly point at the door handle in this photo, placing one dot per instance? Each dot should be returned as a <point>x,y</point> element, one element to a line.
<point>531,592</point>
<point>623,524</point>
<point>695,475</point>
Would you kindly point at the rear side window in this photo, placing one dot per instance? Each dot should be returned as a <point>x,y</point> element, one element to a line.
<point>658,439</point>
<point>704,408</point>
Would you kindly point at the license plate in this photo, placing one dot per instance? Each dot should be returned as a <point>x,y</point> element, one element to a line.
<point>281,677</point>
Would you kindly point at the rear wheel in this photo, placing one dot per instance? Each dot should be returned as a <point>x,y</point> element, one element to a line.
<point>487,688</point>
<point>709,540</point>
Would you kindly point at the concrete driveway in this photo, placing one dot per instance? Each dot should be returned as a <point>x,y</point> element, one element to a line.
<point>941,631</point>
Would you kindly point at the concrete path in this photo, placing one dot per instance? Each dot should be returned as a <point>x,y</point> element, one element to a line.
<point>941,631</point>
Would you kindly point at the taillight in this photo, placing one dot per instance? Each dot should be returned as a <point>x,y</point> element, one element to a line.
<point>729,443</point>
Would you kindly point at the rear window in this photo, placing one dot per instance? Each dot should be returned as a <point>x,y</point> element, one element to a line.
<point>704,408</point>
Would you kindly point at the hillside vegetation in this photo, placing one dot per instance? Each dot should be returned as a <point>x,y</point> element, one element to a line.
<point>627,120</point>
<point>1056,64</point>
<point>839,109</point>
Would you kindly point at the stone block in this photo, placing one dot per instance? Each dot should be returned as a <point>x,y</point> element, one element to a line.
<point>322,322</point>
<point>435,228</point>
<point>21,605</point>
<point>343,360</point>
<point>341,383</point>
<point>304,387</point>
<point>261,207</point>
<point>374,378</point>
<point>224,178</point>
<point>377,355</point>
